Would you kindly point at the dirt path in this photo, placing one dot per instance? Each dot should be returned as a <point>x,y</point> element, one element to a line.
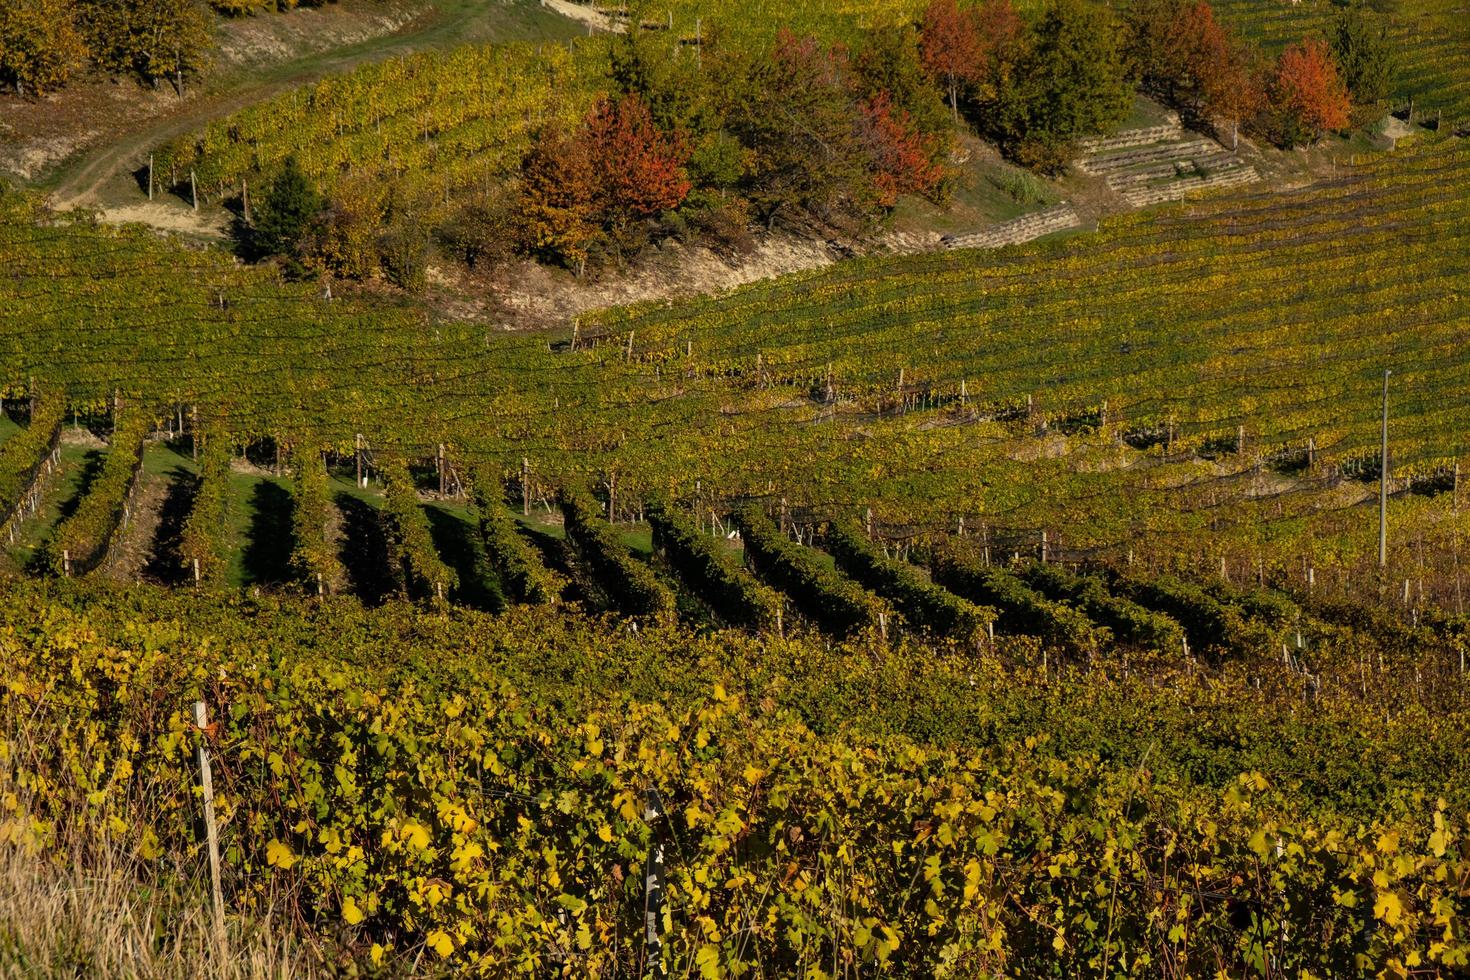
<point>102,174</point>
<point>132,550</point>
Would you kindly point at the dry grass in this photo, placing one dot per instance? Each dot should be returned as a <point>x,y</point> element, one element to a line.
<point>102,920</point>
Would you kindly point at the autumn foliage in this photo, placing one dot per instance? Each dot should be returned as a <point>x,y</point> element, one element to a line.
<point>1307,93</point>
<point>597,186</point>
<point>951,47</point>
<point>903,157</point>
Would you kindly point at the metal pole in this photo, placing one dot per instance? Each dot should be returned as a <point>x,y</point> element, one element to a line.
<point>1383,481</point>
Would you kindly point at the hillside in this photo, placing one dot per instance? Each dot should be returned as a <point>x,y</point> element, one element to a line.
<point>442,537</point>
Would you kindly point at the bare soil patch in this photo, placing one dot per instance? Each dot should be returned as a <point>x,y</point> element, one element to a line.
<point>94,109</point>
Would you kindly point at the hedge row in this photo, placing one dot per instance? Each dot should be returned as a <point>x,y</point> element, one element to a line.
<point>835,603</point>
<point>1212,626</point>
<point>712,572</point>
<point>922,603</point>
<point>1021,609</point>
<point>629,583</point>
<point>204,532</point>
<point>82,540</point>
<point>523,575</point>
<point>314,561</point>
<point>1129,621</point>
<point>23,454</point>
<point>410,545</point>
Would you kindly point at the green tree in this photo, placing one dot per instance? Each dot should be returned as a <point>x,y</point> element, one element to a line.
<point>284,218</point>
<point>796,117</point>
<point>1070,80</point>
<point>1364,55</point>
<point>40,46</point>
<point>649,65</point>
<point>888,61</point>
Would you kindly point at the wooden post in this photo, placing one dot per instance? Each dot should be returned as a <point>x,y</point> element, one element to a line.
<point>1240,440</point>
<point>653,885</point>
<point>194,432</point>
<point>150,176</point>
<point>196,571</point>
<point>245,199</point>
<point>525,487</point>
<point>211,832</point>
<point>1043,547</point>
<point>194,191</point>
<point>359,460</point>
<point>440,464</point>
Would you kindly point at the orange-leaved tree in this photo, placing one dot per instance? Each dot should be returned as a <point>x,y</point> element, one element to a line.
<point>1307,94</point>
<point>556,215</point>
<point>951,47</point>
<point>639,170</point>
<point>903,158</point>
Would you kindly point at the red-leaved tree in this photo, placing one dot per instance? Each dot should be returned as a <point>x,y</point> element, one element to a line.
<point>1307,93</point>
<point>951,48</point>
<point>903,158</point>
<point>640,170</point>
<point>1213,66</point>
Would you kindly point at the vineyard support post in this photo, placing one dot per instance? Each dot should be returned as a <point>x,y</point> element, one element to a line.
<point>194,432</point>
<point>194,191</point>
<point>358,452</point>
<point>525,487</point>
<point>440,464</point>
<point>150,176</point>
<point>211,832</point>
<point>1383,481</point>
<point>653,885</point>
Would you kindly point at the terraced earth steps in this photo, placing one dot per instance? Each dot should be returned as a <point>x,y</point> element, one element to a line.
<point>1059,217</point>
<point>1155,164</point>
<point>1142,136</point>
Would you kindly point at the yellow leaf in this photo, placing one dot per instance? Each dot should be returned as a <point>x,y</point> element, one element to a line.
<point>149,848</point>
<point>1388,907</point>
<point>720,694</point>
<point>377,954</point>
<point>351,914</point>
<point>753,774</point>
<point>416,834</point>
<point>278,855</point>
<point>1388,842</point>
<point>440,943</point>
<point>708,961</point>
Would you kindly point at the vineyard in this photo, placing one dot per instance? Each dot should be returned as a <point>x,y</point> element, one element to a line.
<point>1014,612</point>
<point>483,796</point>
<point>1204,379</point>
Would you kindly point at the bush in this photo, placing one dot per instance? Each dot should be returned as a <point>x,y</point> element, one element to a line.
<point>410,545</point>
<point>22,455</point>
<point>313,560</point>
<point>1020,608</point>
<point>204,531</point>
<point>1128,621</point>
<point>82,540</point>
<point>522,574</point>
